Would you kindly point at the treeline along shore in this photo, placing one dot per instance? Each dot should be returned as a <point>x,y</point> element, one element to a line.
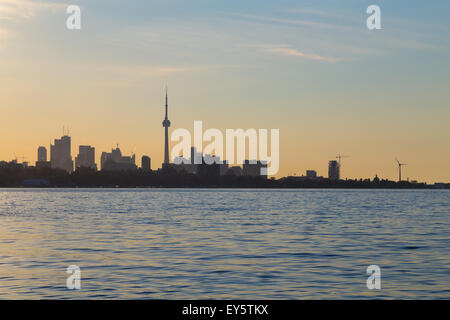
<point>18,176</point>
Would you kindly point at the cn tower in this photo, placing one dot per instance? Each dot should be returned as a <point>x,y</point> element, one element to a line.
<point>166,125</point>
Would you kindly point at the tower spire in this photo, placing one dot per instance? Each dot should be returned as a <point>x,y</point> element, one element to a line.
<point>166,125</point>
<point>167,103</point>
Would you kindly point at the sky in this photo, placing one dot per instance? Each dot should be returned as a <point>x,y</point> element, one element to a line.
<point>311,69</point>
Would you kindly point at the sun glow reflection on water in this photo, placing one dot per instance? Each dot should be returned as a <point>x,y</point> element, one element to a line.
<point>224,244</point>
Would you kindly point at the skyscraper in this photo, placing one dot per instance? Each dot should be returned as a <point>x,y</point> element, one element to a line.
<point>333,170</point>
<point>60,156</point>
<point>42,154</point>
<point>196,157</point>
<point>85,158</point>
<point>145,163</point>
<point>166,125</point>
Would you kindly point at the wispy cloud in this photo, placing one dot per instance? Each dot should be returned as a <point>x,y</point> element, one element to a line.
<point>25,9</point>
<point>348,29</point>
<point>286,50</point>
<point>296,22</point>
<point>313,12</point>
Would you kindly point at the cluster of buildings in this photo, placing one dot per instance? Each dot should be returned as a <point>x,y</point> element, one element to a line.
<point>199,164</point>
<point>334,172</point>
<point>61,158</point>
<point>210,165</point>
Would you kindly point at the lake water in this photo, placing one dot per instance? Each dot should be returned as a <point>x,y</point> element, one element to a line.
<point>224,244</point>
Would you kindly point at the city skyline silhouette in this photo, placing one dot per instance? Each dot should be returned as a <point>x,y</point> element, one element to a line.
<point>313,71</point>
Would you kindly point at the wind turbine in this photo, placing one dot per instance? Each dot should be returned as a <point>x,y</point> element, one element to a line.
<point>400,165</point>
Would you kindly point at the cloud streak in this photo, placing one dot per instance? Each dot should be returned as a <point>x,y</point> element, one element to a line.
<point>25,9</point>
<point>296,22</point>
<point>288,51</point>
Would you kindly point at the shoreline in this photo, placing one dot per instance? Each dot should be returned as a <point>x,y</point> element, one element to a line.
<point>430,187</point>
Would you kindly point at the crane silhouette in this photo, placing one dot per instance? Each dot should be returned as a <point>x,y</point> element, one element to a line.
<point>339,157</point>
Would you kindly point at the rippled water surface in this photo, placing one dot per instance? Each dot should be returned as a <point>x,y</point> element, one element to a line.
<point>224,244</point>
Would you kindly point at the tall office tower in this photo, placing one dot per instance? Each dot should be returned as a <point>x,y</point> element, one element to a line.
<point>145,163</point>
<point>333,170</point>
<point>85,158</point>
<point>60,157</point>
<point>196,157</point>
<point>42,154</point>
<point>166,125</point>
